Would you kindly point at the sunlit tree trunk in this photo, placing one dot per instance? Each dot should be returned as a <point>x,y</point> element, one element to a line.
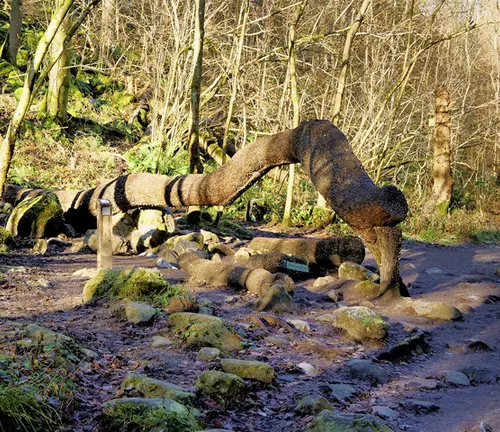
<point>16,22</point>
<point>108,33</point>
<point>59,76</point>
<point>441,171</point>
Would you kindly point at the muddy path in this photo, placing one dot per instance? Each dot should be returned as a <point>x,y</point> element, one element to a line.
<point>42,289</point>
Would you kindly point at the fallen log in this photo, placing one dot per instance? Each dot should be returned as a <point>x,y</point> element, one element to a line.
<point>327,158</point>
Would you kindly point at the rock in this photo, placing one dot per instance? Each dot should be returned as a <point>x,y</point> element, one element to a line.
<point>81,247</point>
<point>190,237</point>
<point>149,413</point>
<point>161,342</point>
<point>124,283</point>
<point>479,375</point>
<point>163,263</point>
<point>37,217</point>
<point>209,237</point>
<point>123,224</point>
<point>313,404</point>
<point>184,246</point>
<point>277,341</point>
<point>333,295</point>
<point>204,331</point>
<point>85,273</point>
<point>139,313</point>
<point>45,337</point>
<point>357,292</point>
<point>436,310</point>
<point>207,355</point>
<point>42,283</point>
<point>242,255</point>
<point>365,370</point>
<point>275,299</point>
<point>120,244</point>
<point>352,271</point>
<point>385,412</point>
<point>419,406</point>
<point>360,323</point>
<point>328,421</point>
<point>342,392</point>
<point>275,262</point>
<point>182,303</point>
<point>59,243</point>
<point>303,326</point>
<point>433,271</point>
<point>220,248</point>
<point>477,346</point>
<point>254,370</point>
<point>41,247</point>
<point>167,254</point>
<point>308,369</point>
<point>454,378</point>
<point>423,383</point>
<point>323,281</point>
<point>162,220</point>
<point>146,237</point>
<point>154,388</point>
<point>222,386</point>
<point>216,258</point>
<point>415,344</point>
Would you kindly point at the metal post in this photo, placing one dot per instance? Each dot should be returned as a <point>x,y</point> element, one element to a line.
<point>104,235</point>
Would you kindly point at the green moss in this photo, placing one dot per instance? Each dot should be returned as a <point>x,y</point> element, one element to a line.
<point>156,388</point>
<point>224,387</point>
<point>22,410</point>
<point>249,369</point>
<point>132,283</point>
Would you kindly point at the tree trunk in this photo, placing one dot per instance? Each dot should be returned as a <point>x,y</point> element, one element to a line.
<point>108,26</point>
<point>195,165</point>
<point>441,171</point>
<point>59,76</point>
<point>15,28</point>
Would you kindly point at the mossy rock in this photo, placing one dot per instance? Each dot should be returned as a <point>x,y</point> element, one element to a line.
<point>328,421</point>
<point>360,323</point>
<point>275,299</point>
<point>352,271</point>
<point>436,310</point>
<point>254,370</point>
<point>222,386</point>
<point>125,283</point>
<point>47,337</point>
<point>228,228</point>
<point>5,237</point>
<point>154,388</point>
<point>204,331</point>
<point>359,291</point>
<point>313,404</point>
<point>147,414</point>
<point>37,217</point>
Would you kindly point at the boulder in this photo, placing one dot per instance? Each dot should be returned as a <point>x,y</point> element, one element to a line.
<point>385,412</point>
<point>324,281</point>
<point>146,237</point>
<point>352,271</point>
<point>41,247</point>
<point>139,313</point>
<point>275,299</point>
<point>37,217</point>
<point>154,388</point>
<point>328,421</point>
<point>120,244</point>
<point>360,323</point>
<point>124,283</point>
<point>313,404</point>
<point>204,331</point>
<point>207,355</point>
<point>436,310</point>
<point>454,378</point>
<point>419,406</point>
<point>149,413</point>
<point>162,220</point>
<point>366,370</point>
<point>254,370</point>
<point>479,375</point>
<point>360,291</point>
<point>342,392</point>
<point>224,387</point>
<point>209,237</point>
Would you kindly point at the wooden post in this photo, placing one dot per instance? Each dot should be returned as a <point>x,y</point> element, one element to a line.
<point>104,235</point>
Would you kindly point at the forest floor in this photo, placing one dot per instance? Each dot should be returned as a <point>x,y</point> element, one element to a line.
<point>461,275</point>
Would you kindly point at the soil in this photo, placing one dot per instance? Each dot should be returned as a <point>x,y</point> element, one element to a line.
<point>460,275</point>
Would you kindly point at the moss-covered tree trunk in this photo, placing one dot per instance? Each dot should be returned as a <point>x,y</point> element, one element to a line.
<point>441,171</point>
<point>59,76</point>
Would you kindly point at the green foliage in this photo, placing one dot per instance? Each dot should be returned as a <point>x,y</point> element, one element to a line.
<point>145,157</point>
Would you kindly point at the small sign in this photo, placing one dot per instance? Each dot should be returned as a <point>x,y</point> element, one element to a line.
<point>297,267</point>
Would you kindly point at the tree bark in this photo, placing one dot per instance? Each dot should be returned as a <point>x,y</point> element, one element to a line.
<point>15,28</point>
<point>441,171</point>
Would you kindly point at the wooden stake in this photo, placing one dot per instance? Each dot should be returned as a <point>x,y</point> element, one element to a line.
<point>104,235</point>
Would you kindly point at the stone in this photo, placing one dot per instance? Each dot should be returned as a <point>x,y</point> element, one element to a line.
<point>204,331</point>
<point>149,412</point>
<point>216,258</point>
<point>209,237</point>
<point>44,336</point>
<point>313,404</point>
<point>146,237</point>
<point>423,383</point>
<point>220,248</point>
<point>433,271</point>
<point>360,323</point>
<point>85,273</point>
<point>207,355</point>
<point>364,290</point>
<point>161,342</point>
<point>277,341</point>
<point>308,369</point>
<point>184,246</point>
<point>454,378</point>
<point>139,313</point>
<point>124,283</point>
<point>352,271</point>
<point>59,243</point>
<point>366,370</point>
<point>242,255</point>
<point>275,299</point>
<point>155,388</point>
<point>419,406</point>
<point>41,247</point>
<point>249,369</point>
<point>120,244</point>
<point>436,310</point>
<point>163,263</point>
<point>479,375</point>
<point>182,303</point>
<point>37,217</point>
<point>190,237</point>
<point>162,220</point>
<point>415,344</point>
<point>385,413</point>
<point>224,387</point>
<point>342,392</point>
<point>333,295</point>
<point>323,281</point>
<point>300,325</point>
<point>328,421</point>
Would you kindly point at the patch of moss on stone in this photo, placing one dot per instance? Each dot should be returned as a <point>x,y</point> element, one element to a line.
<point>224,387</point>
<point>361,323</point>
<point>157,388</point>
<point>132,283</point>
<point>249,369</point>
<point>5,237</point>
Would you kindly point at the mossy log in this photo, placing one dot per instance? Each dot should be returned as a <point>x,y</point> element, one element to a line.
<point>326,157</point>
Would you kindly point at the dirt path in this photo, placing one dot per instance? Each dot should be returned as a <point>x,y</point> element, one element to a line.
<point>42,289</point>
